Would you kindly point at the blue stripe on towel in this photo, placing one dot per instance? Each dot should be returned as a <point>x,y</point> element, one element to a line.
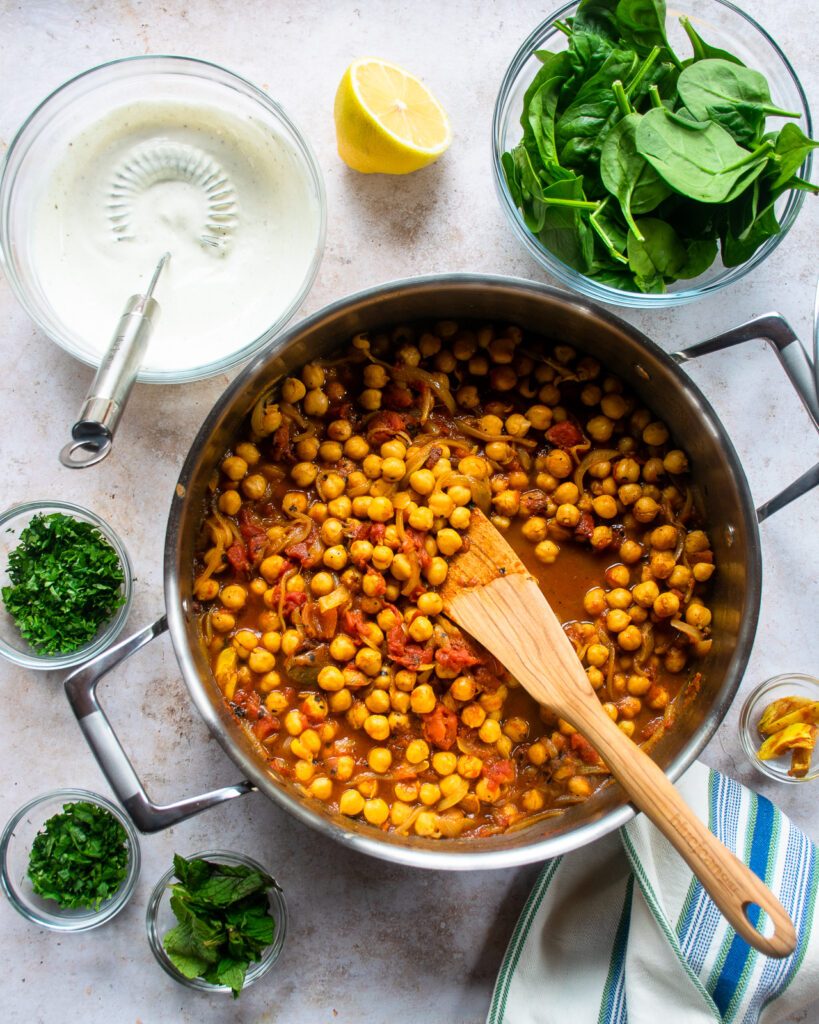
<point>613,1006</point>
<point>739,950</point>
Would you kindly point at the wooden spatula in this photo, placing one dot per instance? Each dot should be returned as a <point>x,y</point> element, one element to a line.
<point>490,594</point>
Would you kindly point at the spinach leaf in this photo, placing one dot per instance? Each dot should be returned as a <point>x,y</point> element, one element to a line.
<point>733,96</point>
<point>598,17</point>
<point>702,164</point>
<point>587,53</point>
<point>541,117</point>
<point>792,147</point>
<point>583,125</point>
<point>610,233</point>
<point>642,25</point>
<point>565,232</point>
<point>699,255</point>
<point>704,51</point>
<point>659,255</point>
<point>626,174</point>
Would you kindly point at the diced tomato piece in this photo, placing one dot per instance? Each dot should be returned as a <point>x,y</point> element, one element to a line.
<point>580,745</point>
<point>293,600</point>
<point>499,770</point>
<point>456,656</point>
<point>265,726</point>
<point>433,458</point>
<point>237,556</point>
<point>533,502</point>
<point>384,426</point>
<point>377,531</point>
<point>564,435</point>
<point>585,526</point>
<point>395,396</point>
<point>440,727</point>
<point>282,450</point>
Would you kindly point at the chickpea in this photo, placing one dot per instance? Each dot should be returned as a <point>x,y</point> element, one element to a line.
<point>421,518</point>
<point>401,568</point>
<point>614,406</point>
<point>618,598</point>
<point>600,428</point>
<point>630,639</point>
<point>534,529</point>
<point>657,697</point>
<point>547,551</point>
<point>234,596</point>
<point>331,678</point>
<point>444,762</point>
<point>597,655</point>
<point>276,702</point>
<point>261,661</point>
<point>703,571</point>
<point>490,731</point>
<point>697,615</point>
<point>460,518</point>
<point>473,716</point>
<point>594,601</point>
<point>617,619</point>
<point>436,571</point>
<point>291,641</point>
<point>655,433</point>
<point>304,474</point>
<point>341,507</point>
<point>449,541</point>
<point>377,727</point>
<point>420,629</point>
<point>356,448</point>
<point>422,699</point>
<point>605,506</point>
<point>429,793</point>
<point>230,502</point>
<point>662,564</point>
<point>368,661</point>
<point>517,729</point>
<point>629,494</point>
<point>601,537</point>
<point>234,468</point>
<point>293,390</point>
<point>330,485</point>
<point>666,605</point>
<point>579,787</point>
<point>307,449</point>
<point>568,515</point>
<point>335,557</point>
<point>645,593</point>
<point>559,464</point>
<point>566,493</point>
<point>645,510</point>
<point>664,538</point>
<point>630,552</point>
<point>322,583</point>
<point>675,462</point>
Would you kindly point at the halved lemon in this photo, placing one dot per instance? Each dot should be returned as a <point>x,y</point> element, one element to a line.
<point>387,121</point>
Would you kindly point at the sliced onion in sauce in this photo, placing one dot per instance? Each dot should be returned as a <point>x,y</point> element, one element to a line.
<point>592,459</point>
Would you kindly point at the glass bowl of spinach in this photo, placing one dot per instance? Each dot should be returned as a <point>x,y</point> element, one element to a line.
<point>216,921</point>
<point>647,158</point>
<point>65,585</point>
<point>69,860</point>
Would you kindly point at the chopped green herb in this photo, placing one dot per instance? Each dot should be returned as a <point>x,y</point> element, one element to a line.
<point>66,583</point>
<point>224,919</point>
<point>80,857</point>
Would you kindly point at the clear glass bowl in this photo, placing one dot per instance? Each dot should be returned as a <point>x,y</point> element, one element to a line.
<point>160,919</point>
<point>12,646</point>
<point>15,849</point>
<point>34,153</point>
<point>722,25</point>
<point>791,684</point>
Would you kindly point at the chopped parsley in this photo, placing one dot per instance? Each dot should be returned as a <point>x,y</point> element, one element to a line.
<point>80,857</point>
<point>224,919</point>
<point>66,582</point>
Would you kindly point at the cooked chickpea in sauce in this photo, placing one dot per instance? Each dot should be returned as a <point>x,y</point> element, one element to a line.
<point>330,525</point>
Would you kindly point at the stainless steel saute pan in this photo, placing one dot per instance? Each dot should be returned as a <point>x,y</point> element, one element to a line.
<point>656,377</point>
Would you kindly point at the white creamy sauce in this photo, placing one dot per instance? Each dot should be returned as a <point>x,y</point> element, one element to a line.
<point>229,199</point>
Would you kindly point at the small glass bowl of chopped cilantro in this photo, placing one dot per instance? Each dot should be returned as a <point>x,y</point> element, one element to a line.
<point>65,585</point>
<point>599,134</point>
<point>69,860</point>
<point>216,921</point>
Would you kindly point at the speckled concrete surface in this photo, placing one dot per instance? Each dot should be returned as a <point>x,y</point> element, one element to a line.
<point>369,942</point>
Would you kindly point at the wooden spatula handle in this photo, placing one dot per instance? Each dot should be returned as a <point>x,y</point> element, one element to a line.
<point>512,619</point>
<point>730,883</point>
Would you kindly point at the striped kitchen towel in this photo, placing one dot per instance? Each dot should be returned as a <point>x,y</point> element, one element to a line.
<point>621,932</point>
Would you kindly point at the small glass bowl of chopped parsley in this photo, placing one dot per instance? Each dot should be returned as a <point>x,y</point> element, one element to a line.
<point>69,860</point>
<point>65,585</point>
<point>216,921</point>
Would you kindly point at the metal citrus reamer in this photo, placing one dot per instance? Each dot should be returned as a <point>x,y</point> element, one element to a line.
<point>93,433</point>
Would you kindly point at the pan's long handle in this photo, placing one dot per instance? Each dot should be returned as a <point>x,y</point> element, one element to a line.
<point>81,687</point>
<point>774,329</point>
<point>731,884</point>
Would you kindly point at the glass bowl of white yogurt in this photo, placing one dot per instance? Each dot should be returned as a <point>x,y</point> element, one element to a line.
<point>151,154</point>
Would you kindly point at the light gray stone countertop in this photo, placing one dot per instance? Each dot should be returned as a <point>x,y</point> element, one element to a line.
<point>369,942</point>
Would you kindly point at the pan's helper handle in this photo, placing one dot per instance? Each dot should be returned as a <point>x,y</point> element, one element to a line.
<point>730,883</point>
<point>81,689</point>
<point>774,329</point>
